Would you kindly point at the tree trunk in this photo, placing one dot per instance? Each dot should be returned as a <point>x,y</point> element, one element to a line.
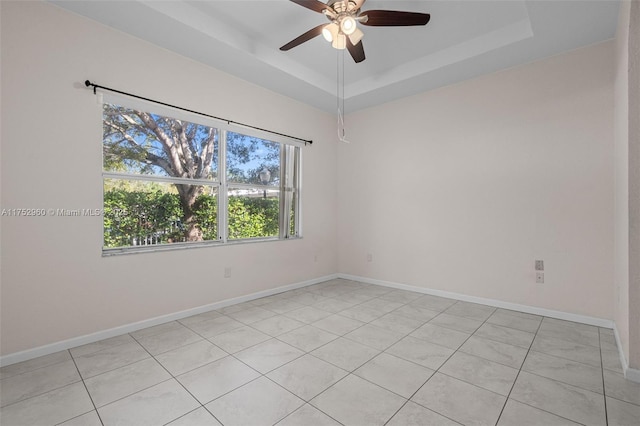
<point>188,195</point>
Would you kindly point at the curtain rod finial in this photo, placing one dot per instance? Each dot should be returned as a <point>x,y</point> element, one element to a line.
<point>87,83</point>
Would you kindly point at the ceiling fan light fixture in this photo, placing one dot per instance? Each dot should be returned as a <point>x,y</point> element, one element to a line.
<point>339,42</point>
<point>330,32</point>
<point>348,25</point>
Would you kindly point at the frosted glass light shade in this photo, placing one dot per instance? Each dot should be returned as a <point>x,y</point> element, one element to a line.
<point>340,42</point>
<point>330,31</point>
<point>348,25</point>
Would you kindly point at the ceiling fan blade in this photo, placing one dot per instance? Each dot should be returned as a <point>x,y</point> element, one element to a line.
<point>392,18</point>
<point>356,51</point>
<point>313,32</point>
<point>314,5</point>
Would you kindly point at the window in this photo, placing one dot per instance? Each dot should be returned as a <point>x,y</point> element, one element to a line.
<point>173,181</point>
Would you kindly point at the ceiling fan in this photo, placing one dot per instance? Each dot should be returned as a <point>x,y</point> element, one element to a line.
<point>343,32</point>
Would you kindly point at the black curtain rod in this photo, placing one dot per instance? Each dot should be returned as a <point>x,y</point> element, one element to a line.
<point>97,86</point>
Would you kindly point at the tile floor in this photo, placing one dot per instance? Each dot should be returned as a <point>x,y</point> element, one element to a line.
<point>339,352</point>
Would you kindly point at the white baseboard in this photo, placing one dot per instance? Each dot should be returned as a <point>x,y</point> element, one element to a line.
<point>128,328</point>
<point>629,373</point>
<point>584,319</point>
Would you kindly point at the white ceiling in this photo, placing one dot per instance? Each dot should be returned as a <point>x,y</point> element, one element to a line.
<point>464,39</point>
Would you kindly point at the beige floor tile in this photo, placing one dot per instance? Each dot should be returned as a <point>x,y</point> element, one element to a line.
<point>564,370</point>
<point>186,358</point>
<point>570,402</point>
<point>441,336</point>
<point>375,337</point>
<point>471,310</point>
<point>460,401</point>
<point>421,352</point>
<point>486,374</point>
<point>198,417</point>
<point>100,345</point>
<point>397,323</point>
<point>238,339</point>
<point>307,415</point>
<point>157,405</point>
<point>567,349</point>
<point>508,319</point>
<point>88,419</point>
<point>518,414</point>
<point>338,324</point>
<point>616,386</point>
<point>307,376</point>
<point>52,407</point>
<point>109,359</point>
<point>307,338</point>
<point>453,322</point>
<point>260,402</point>
<point>37,382</point>
<point>509,355</point>
<point>620,413</point>
<point>354,401</point>
<point>277,325</point>
<point>162,342</point>
<point>268,355</point>
<point>395,374</point>
<point>217,378</point>
<point>413,414</point>
<point>510,336</point>
<point>124,381</point>
<point>33,364</point>
<point>345,353</point>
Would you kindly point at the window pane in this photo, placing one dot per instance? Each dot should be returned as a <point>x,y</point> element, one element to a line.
<point>145,143</point>
<point>253,213</point>
<point>252,160</point>
<point>138,213</point>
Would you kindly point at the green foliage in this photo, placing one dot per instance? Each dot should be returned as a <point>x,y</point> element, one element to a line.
<point>139,215</point>
<point>253,217</point>
<point>205,209</point>
<point>135,216</point>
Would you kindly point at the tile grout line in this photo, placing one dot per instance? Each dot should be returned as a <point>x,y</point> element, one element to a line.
<point>558,381</point>
<point>172,377</point>
<point>519,371</point>
<point>86,389</point>
<point>438,369</point>
<point>604,387</point>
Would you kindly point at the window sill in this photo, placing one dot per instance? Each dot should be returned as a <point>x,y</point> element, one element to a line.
<point>108,252</point>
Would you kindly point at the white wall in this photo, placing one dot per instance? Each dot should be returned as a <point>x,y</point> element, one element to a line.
<point>461,189</point>
<point>621,133</point>
<point>634,189</point>
<point>55,284</point>
<point>627,184</point>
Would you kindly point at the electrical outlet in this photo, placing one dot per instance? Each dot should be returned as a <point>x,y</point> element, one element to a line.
<point>539,277</point>
<point>369,257</point>
<point>539,265</point>
<point>227,272</point>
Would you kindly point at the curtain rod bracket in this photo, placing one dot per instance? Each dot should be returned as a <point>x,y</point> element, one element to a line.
<point>88,83</point>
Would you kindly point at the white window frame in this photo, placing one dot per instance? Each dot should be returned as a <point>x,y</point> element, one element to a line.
<point>220,182</point>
